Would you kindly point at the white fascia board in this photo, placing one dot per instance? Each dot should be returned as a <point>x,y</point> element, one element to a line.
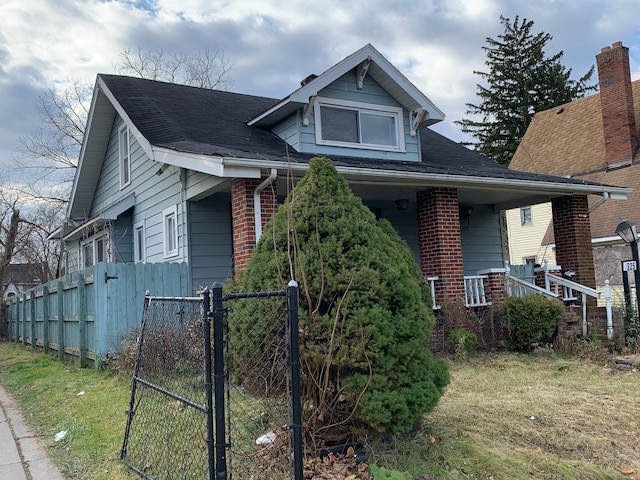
<point>301,95</point>
<point>210,165</point>
<point>419,179</point>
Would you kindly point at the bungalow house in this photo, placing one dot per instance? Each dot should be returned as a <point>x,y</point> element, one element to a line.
<point>171,173</point>
<point>593,139</point>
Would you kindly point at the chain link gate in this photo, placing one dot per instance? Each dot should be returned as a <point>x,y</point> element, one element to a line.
<point>214,391</point>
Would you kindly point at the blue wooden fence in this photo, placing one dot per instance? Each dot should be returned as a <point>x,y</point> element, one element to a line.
<point>87,311</point>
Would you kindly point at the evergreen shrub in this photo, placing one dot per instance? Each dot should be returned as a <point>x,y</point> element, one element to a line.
<point>529,320</point>
<point>365,310</point>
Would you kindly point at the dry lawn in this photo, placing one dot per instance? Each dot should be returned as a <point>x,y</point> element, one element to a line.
<point>535,416</point>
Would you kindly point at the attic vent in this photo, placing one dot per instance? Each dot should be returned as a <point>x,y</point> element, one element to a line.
<point>559,111</point>
<point>308,79</point>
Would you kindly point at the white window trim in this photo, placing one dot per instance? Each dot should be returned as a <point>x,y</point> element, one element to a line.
<point>139,246</point>
<point>396,112</point>
<point>124,169</point>
<point>167,213</point>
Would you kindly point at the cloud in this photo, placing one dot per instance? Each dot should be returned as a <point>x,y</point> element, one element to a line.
<point>273,44</point>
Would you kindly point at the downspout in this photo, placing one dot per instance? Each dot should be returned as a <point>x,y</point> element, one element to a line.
<point>257,207</point>
<point>605,197</point>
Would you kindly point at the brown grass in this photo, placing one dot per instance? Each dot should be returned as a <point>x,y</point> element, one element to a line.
<point>531,416</point>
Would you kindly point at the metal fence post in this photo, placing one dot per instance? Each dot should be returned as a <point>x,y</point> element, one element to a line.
<point>206,304</point>
<point>219,380</point>
<point>296,426</point>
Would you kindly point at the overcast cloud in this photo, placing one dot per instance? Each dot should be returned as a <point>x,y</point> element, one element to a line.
<point>272,45</point>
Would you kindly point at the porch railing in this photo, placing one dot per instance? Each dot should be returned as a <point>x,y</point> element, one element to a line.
<point>474,294</point>
<point>568,291</point>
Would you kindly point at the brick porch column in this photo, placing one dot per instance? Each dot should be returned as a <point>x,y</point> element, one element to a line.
<point>440,242</point>
<point>243,219</point>
<point>572,231</point>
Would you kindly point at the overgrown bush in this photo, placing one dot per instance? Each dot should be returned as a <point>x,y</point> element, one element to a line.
<point>461,342</point>
<point>529,320</point>
<point>365,315</point>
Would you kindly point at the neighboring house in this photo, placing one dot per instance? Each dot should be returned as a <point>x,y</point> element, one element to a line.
<point>526,228</point>
<point>21,277</point>
<point>170,173</point>
<point>595,139</point>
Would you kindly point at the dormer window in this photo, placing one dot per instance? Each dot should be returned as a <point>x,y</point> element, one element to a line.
<point>358,125</point>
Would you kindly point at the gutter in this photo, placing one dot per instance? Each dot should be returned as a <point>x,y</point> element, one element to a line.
<point>257,207</point>
<point>417,179</point>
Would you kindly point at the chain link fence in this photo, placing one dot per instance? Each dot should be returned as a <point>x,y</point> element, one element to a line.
<point>216,388</point>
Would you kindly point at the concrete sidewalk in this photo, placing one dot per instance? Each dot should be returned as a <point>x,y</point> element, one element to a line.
<point>22,457</point>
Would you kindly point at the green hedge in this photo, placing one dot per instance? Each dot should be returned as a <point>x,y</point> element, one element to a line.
<point>529,320</point>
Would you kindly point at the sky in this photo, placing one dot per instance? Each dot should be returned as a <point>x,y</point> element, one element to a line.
<point>273,44</point>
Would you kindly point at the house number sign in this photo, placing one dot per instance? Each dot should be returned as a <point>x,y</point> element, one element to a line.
<point>629,266</point>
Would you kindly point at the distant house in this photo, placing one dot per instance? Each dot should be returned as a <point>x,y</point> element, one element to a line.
<point>593,139</point>
<point>170,173</point>
<point>21,277</point>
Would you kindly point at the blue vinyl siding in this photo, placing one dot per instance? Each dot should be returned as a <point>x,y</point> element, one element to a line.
<point>153,194</point>
<point>210,239</point>
<point>481,240</point>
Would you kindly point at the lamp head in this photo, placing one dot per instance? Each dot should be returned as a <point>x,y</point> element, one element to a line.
<point>626,229</point>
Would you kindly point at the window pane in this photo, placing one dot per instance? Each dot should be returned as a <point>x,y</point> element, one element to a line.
<point>139,244</point>
<point>339,124</point>
<point>378,129</point>
<point>525,216</point>
<point>100,250</point>
<point>87,253</point>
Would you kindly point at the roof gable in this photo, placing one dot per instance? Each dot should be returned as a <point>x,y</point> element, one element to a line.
<point>368,61</point>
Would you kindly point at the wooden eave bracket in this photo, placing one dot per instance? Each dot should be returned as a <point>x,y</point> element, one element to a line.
<point>363,68</point>
<point>307,110</point>
<point>417,116</point>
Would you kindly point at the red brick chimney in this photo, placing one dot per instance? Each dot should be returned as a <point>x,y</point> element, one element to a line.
<point>616,97</point>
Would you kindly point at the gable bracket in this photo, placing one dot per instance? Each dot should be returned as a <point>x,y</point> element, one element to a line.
<point>363,68</point>
<point>307,110</point>
<point>416,117</point>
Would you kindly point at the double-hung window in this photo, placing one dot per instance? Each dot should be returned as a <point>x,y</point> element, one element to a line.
<point>124,148</point>
<point>358,125</point>
<point>170,231</point>
<point>138,242</point>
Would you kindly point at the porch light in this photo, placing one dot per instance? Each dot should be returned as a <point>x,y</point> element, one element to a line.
<point>627,231</point>
<point>402,203</point>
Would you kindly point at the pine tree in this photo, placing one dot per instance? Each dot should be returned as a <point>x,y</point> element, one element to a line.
<point>521,80</point>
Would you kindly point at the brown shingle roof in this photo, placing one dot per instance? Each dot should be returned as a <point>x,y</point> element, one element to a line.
<point>567,140</point>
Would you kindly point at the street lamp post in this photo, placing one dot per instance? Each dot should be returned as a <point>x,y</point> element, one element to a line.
<point>626,229</point>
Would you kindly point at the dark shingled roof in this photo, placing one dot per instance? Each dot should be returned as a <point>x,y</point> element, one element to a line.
<point>213,122</point>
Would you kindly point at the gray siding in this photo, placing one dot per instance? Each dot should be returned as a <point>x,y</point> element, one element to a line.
<point>153,193</point>
<point>210,239</point>
<point>481,240</point>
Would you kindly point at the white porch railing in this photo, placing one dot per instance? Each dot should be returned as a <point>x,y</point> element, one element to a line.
<point>568,291</point>
<point>474,295</point>
<point>556,287</point>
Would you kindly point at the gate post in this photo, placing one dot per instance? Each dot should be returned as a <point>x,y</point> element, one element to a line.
<point>296,426</point>
<point>219,379</point>
<point>206,326</point>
